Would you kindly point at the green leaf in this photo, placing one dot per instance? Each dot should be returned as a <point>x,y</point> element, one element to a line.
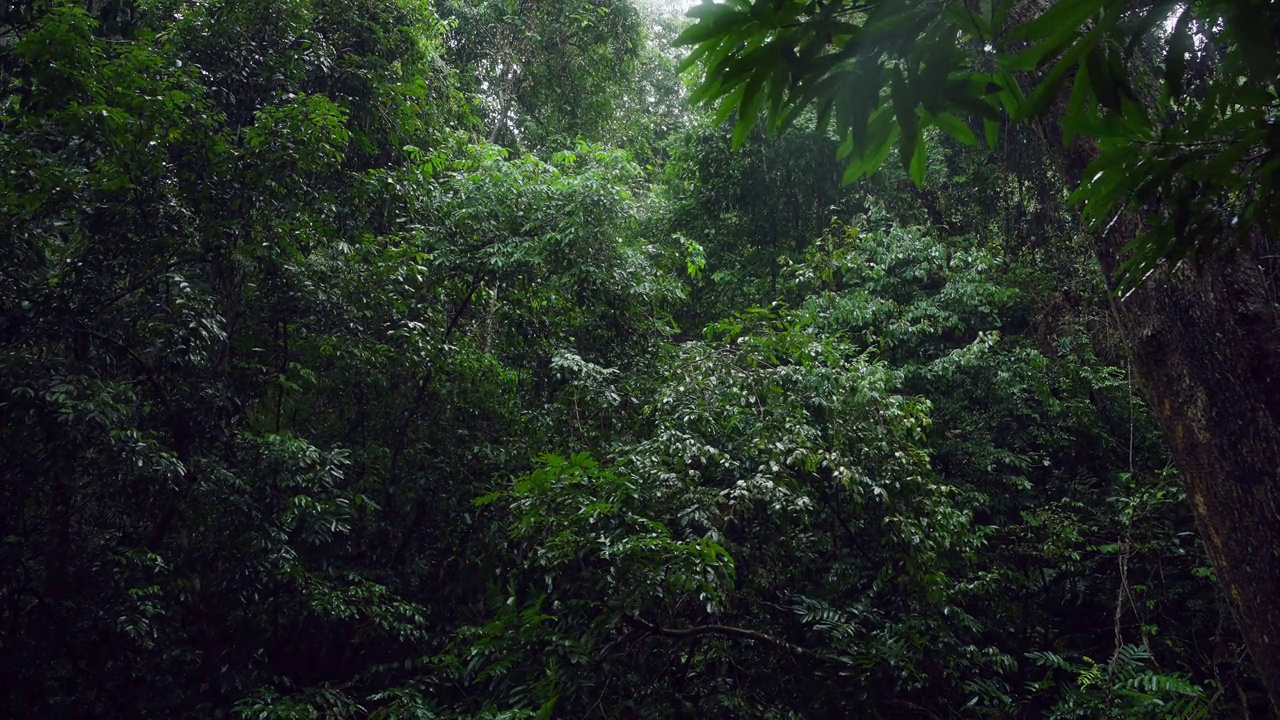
<point>904,107</point>
<point>748,110</point>
<point>991,128</point>
<point>1104,86</point>
<point>1060,21</point>
<point>919,160</point>
<point>969,21</point>
<point>1076,106</point>
<point>856,103</point>
<point>487,499</point>
<point>882,133</point>
<point>544,712</point>
<point>999,14</point>
<point>846,147</point>
<point>955,128</point>
<point>1047,89</point>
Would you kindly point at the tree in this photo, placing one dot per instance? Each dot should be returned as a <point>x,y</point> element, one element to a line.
<point>267,323</point>
<point>1162,173</point>
<point>544,70</point>
<point>750,212</point>
<point>857,507</point>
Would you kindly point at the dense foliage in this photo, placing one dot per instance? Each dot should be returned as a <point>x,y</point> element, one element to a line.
<point>397,360</point>
<point>1180,97</point>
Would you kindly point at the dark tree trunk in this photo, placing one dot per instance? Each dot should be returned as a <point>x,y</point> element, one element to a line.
<point>1205,347</point>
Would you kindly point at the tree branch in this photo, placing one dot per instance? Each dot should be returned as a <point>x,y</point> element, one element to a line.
<point>735,632</point>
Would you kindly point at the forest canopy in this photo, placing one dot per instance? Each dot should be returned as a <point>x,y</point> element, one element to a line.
<point>498,359</point>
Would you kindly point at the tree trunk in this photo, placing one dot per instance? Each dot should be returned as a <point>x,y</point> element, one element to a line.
<point>1205,347</point>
